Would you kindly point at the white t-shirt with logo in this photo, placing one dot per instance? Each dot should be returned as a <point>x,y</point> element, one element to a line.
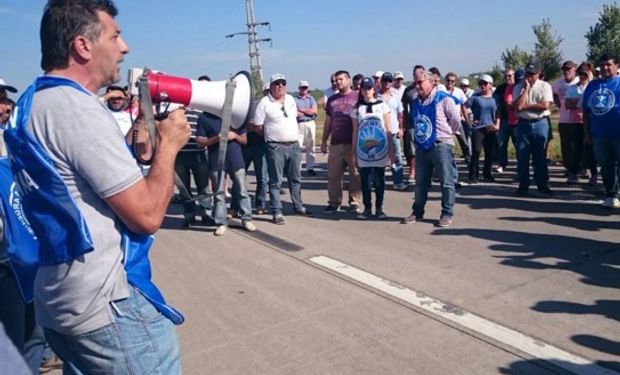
<point>372,139</point>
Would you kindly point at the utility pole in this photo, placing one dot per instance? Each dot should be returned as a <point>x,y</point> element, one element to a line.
<point>253,43</point>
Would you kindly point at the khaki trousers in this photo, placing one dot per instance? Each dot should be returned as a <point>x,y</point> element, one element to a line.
<point>340,159</point>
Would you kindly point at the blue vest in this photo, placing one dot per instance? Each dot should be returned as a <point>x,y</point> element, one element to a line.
<point>53,214</point>
<point>423,120</point>
<point>602,101</point>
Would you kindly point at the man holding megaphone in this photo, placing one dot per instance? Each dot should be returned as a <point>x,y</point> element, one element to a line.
<point>276,117</point>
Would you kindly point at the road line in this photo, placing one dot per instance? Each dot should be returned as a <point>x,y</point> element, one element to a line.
<point>535,348</point>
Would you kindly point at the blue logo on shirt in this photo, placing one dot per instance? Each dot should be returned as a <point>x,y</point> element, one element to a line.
<point>423,128</point>
<point>372,142</point>
<point>601,101</point>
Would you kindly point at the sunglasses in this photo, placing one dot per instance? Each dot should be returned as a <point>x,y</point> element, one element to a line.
<point>482,83</point>
<point>387,81</point>
<point>8,111</point>
<point>284,111</point>
<point>279,82</point>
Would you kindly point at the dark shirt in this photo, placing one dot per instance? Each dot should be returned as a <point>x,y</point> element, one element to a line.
<point>192,119</point>
<point>209,126</point>
<point>408,95</point>
<point>339,108</point>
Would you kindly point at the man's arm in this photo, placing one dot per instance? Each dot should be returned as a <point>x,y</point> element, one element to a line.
<point>142,206</point>
<point>327,129</point>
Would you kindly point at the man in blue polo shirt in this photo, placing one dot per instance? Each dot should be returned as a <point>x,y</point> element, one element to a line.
<point>306,113</point>
<point>601,120</point>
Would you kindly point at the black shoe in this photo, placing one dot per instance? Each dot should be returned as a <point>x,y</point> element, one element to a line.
<point>303,212</point>
<point>311,172</point>
<point>520,193</point>
<point>458,185</point>
<point>260,211</point>
<point>207,220</point>
<point>472,181</point>
<point>381,215</point>
<point>364,215</point>
<point>546,191</point>
<point>278,219</point>
<point>189,222</point>
<point>331,209</point>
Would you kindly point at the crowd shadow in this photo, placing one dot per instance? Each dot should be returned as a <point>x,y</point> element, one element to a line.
<point>557,366</point>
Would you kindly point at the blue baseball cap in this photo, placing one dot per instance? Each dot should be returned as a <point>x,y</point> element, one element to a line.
<point>367,83</point>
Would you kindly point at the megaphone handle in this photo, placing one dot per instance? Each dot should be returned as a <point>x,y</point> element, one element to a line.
<point>147,109</point>
<point>231,85</point>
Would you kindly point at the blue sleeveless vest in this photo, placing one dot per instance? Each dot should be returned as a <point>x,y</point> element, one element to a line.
<point>423,120</point>
<point>53,214</point>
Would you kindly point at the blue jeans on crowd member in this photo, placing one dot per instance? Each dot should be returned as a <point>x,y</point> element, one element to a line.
<point>284,159</point>
<point>397,163</point>
<point>19,321</point>
<point>241,198</point>
<point>506,132</point>
<point>139,341</point>
<point>376,176</point>
<point>438,157</point>
<point>532,137</point>
<point>257,154</point>
<point>607,152</point>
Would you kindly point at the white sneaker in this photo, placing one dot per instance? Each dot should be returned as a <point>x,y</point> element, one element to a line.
<point>499,169</point>
<point>220,230</point>
<point>249,226</point>
<point>611,203</point>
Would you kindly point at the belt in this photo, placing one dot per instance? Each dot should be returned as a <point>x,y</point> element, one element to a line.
<point>531,120</point>
<point>305,120</point>
<point>283,143</point>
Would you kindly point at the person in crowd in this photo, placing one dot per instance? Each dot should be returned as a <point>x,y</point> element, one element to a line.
<point>338,130</point>
<point>601,116</point>
<point>100,311</point>
<point>331,90</point>
<point>435,116</point>
<point>507,118</point>
<point>464,85</point>
<point>462,135</point>
<point>485,126</point>
<point>377,79</point>
<point>399,79</point>
<point>276,117</point>
<point>208,135</point>
<point>569,122</point>
<point>532,99</point>
<point>583,155</point>
<point>115,98</point>
<point>356,81</point>
<point>390,97</point>
<point>306,113</point>
<point>371,145</point>
<point>409,94</point>
<point>437,77</point>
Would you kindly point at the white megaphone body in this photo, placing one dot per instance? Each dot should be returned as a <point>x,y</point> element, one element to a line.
<point>208,96</point>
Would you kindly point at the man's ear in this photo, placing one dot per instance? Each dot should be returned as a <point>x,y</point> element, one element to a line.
<point>82,47</point>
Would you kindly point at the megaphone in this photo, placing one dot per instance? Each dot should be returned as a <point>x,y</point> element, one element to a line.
<point>208,96</point>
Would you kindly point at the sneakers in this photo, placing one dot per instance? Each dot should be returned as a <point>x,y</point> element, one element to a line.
<point>572,179</point>
<point>260,211</point>
<point>499,169</point>
<point>400,187</point>
<point>444,221</point>
<point>220,230</point>
<point>355,208</point>
<point>381,215</point>
<point>520,193</point>
<point>303,212</point>
<point>249,226</point>
<point>610,203</point>
<point>409,219</point>
<point>331,209</point>
<point>364,215</point>
<point>278,219</point>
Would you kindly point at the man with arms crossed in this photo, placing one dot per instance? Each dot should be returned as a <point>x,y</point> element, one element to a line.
<point>93,318</point>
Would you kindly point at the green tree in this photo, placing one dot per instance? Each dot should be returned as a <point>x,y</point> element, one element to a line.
<point>498,74</point>
<point>515,58</point>
<point>547,49</point>
<point>604,36</point>
<point>257,82</point>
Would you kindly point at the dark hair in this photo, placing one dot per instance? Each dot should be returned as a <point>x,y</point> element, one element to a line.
<point>341,72</point>
<point>419,67</point>
<point>114,87</point>
<point>204,77</point>
<point>358,77</point>
<point>435,71</point>
<point>608,56</point>
<point>451,74</point>
<point>62,21</point>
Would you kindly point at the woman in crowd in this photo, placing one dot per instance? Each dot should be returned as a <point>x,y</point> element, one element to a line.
<point>371,147</point>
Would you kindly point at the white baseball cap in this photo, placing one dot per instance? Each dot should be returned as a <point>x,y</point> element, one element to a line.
<point>378,74</point>
<point>398,75</point>
<point>277,77</point>
<point>6,87</point>
<point>303,84</point>
<point>486,78</point>
<point>465,82</point>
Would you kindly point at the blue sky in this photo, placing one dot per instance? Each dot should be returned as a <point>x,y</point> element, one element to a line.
<point>311,39</point>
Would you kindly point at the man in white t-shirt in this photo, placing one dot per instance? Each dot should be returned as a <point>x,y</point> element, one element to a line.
<point>570,120</point>
<point>276,118</point>
<point>391,98</point>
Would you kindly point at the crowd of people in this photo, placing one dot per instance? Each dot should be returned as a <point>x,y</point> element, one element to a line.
<point>95,304</point>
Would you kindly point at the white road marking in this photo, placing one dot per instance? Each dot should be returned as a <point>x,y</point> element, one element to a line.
<point>535,348</point>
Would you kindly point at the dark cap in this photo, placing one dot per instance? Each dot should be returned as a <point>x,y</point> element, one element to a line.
<point>4,86</point>
<point>387,77</point>
<point>367,83</point>
<point>533,68</point>
<point>519,75</point>
<point>568,64</point>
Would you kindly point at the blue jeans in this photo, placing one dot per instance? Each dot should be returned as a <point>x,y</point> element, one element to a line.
<point>376,175</point>
<point>532,136</point>
<point>607,153</point>
<point>139,341</point>
<point>19,321</point>
<point>506,132</point>
<point>284,160</point>
<point>240,197</point>
<point>439,157</point>
<point>257,154</point>
<point>397,163</point>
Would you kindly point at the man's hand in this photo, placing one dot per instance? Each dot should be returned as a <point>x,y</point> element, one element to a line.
<point>324,147</point>
<point>174,129</point>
